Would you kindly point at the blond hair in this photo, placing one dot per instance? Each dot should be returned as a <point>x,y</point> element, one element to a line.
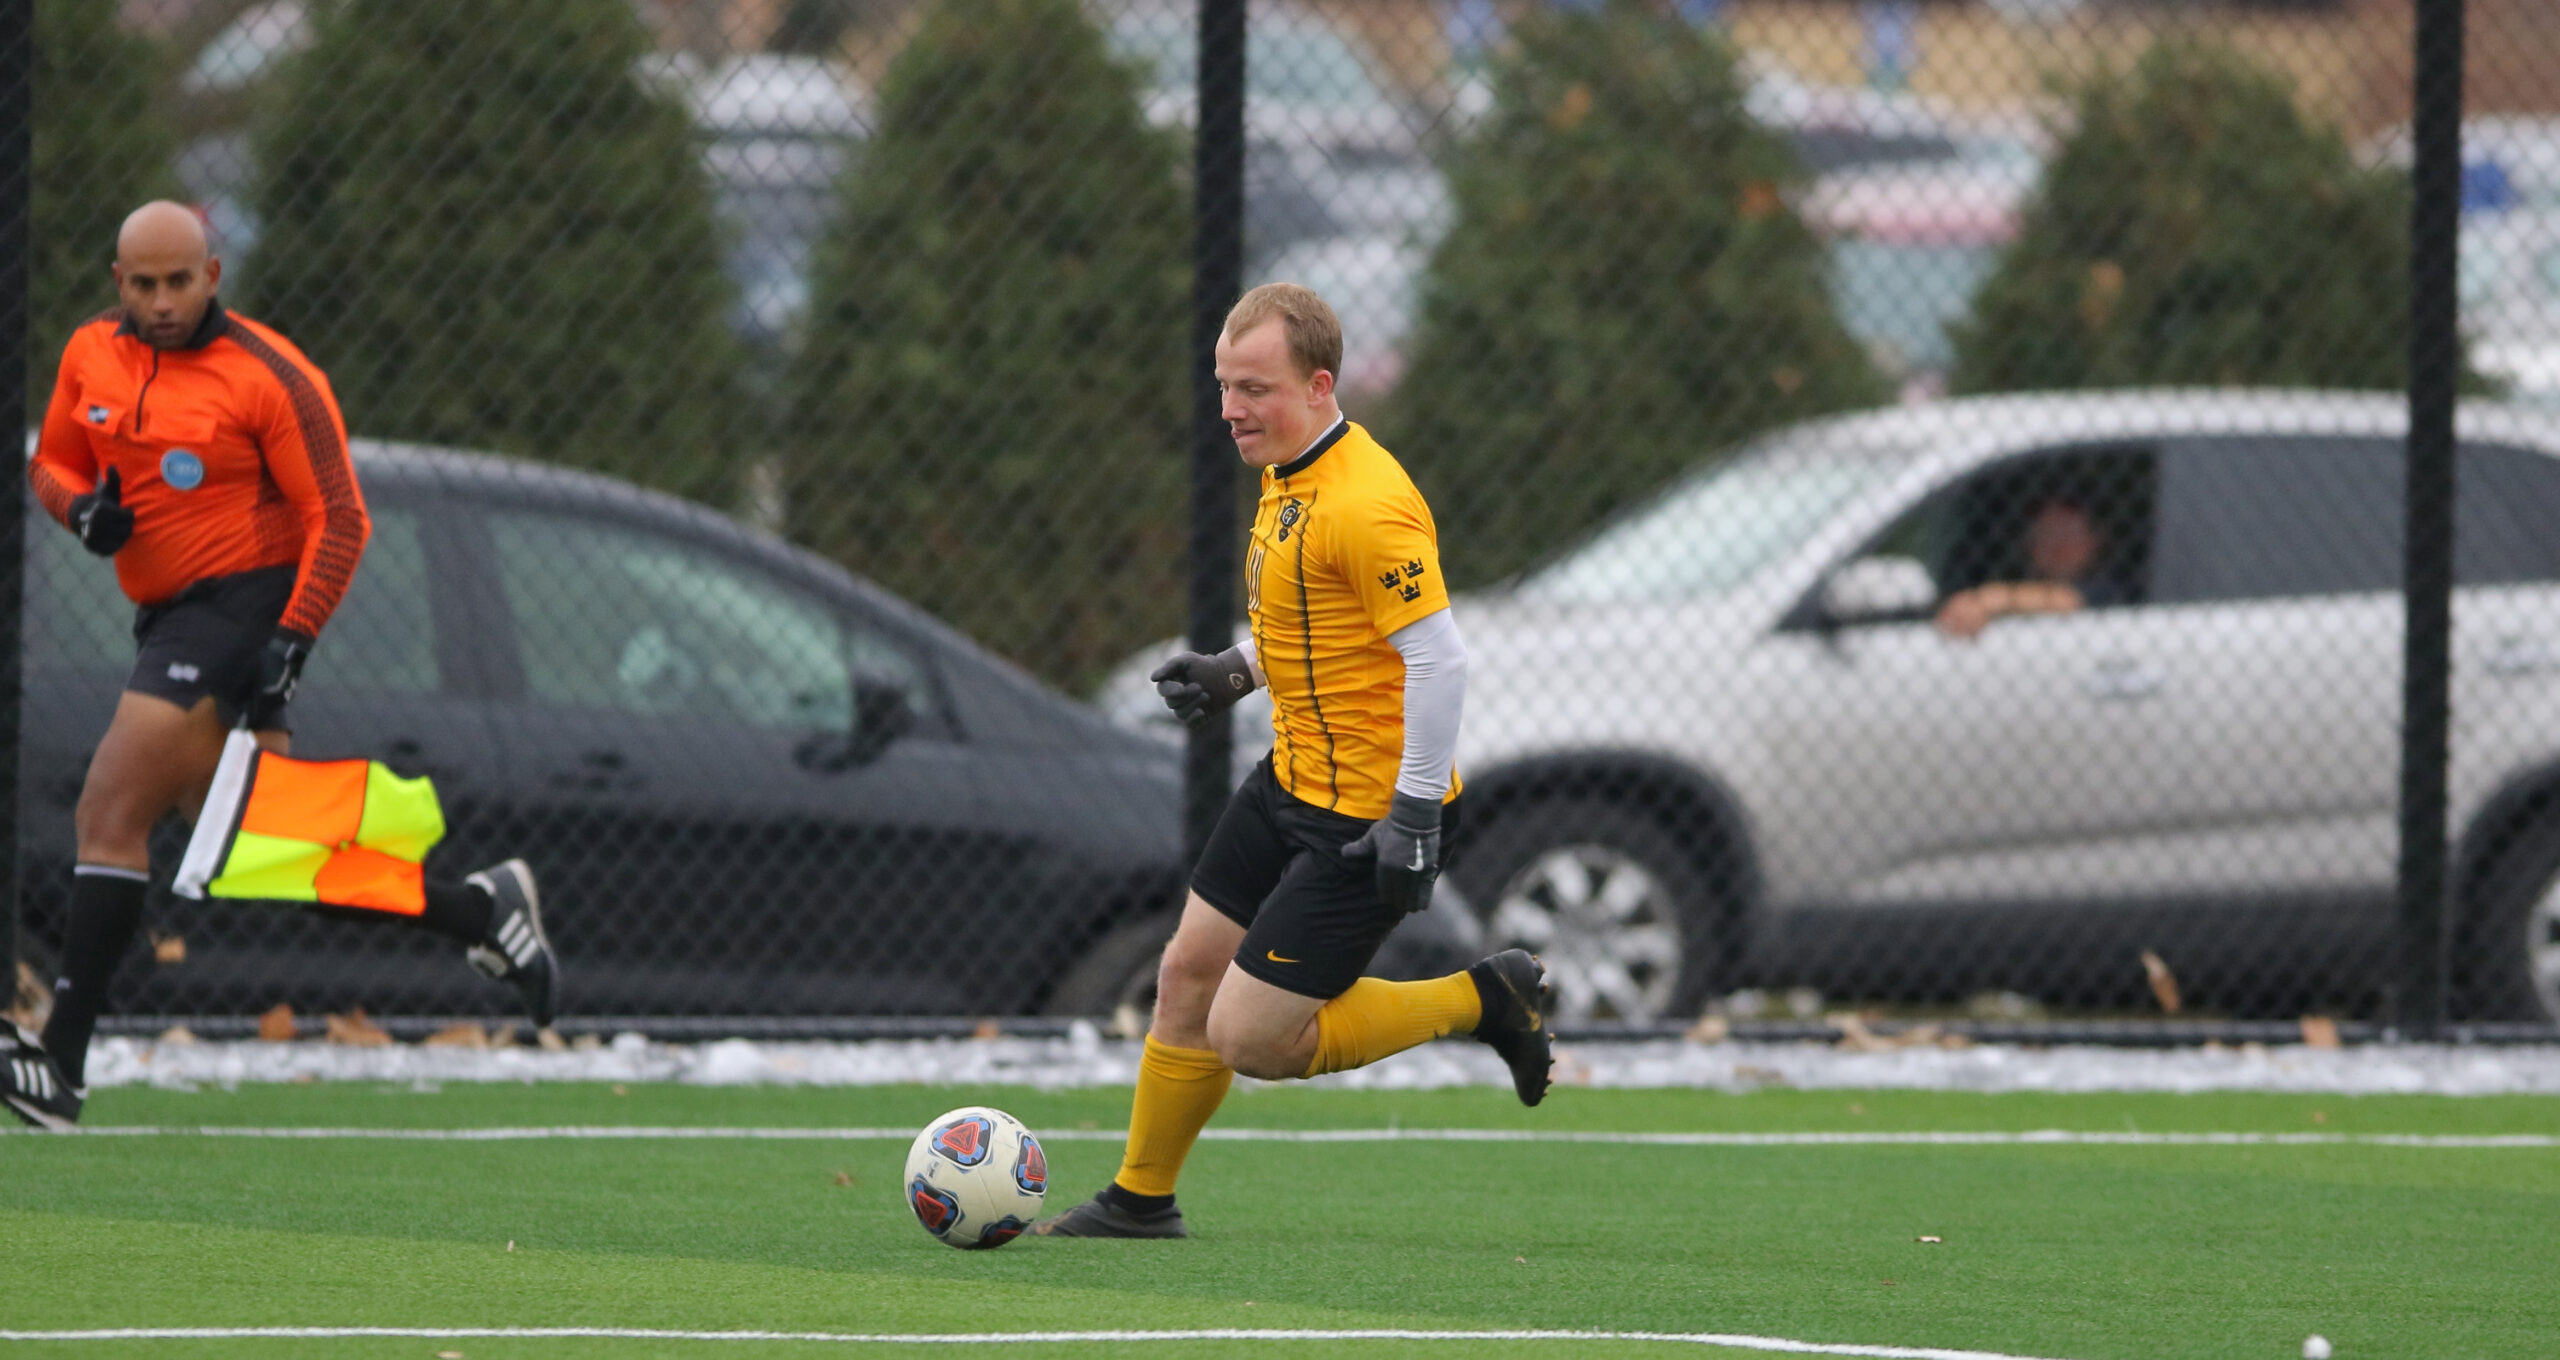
<point>1313,331</point>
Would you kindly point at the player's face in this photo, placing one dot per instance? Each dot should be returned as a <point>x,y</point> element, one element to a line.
<point>1272,411</point>
<point>166,289</point>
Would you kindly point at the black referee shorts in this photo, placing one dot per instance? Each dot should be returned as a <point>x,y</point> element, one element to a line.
<point>1274,866</point>
<point>206,640</point>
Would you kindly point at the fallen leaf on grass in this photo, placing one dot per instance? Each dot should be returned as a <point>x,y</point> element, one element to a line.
<point>511,1244</point>
<point>844,1178</point>
<point>355,1031</point>
<point>448,1355</point>
<point>1933,1239</point>
<point>276,1026</point>
<point>2164,984</point>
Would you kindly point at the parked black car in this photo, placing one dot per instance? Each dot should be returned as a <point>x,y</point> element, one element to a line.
<point>751,782</point>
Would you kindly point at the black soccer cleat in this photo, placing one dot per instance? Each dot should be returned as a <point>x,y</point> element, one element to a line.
<point>1514,986</point>
<point>517,950</point>
<point>1099,1217</point>
<point>31,1083</point>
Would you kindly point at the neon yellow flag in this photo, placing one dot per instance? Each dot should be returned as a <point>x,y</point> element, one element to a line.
<point>346,833</point>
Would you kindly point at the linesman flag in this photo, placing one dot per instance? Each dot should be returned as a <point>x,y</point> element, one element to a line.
<point>341,833</point>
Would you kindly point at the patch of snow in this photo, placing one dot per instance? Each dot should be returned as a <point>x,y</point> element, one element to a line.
<point>1084,1058</point>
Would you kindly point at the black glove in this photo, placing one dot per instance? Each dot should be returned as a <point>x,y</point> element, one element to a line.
<point>99,516</point>
<point>1405,845</point>
<point>279,670</point>
<point>1198,688</point>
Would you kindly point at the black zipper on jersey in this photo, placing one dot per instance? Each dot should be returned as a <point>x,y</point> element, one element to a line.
<point>145,394</point>
<point>1307,635</point>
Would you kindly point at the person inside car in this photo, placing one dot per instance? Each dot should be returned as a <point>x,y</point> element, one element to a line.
<point>2065,550</point>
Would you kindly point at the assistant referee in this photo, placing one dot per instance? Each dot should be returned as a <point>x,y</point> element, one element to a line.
<point>206,455</point>
<point>1336,835</point>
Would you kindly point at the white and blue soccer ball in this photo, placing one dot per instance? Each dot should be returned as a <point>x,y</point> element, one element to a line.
<point>976,1177</point>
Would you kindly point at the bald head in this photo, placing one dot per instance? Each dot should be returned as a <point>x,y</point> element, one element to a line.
<point>165,272</point>
<point>162,229</point>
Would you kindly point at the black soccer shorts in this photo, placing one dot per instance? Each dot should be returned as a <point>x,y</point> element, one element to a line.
<point>1274,866</point>
<point>206,640</point>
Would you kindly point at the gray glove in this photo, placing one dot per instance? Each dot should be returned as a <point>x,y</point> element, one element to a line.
<point>1405,846</point>
<point>1198,688</point>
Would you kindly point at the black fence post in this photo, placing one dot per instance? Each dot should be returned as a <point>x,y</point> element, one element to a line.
<point>2434,370</point>
<point>17,196</point>
<point>1217,277</point>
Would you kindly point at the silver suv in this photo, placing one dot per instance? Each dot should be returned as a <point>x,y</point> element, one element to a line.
<point>1738,736</point>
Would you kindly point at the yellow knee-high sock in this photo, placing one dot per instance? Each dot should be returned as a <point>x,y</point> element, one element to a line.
<point>1376,1018</point>
<point>1178,1089</point>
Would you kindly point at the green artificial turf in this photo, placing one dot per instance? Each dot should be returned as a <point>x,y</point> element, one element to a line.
<point>2088,1252</point>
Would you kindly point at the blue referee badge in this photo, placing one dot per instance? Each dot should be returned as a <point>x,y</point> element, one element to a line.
<point>183,471</point>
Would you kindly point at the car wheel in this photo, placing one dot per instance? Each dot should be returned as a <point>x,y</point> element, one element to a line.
<point>1116,978</point>
<point>2511,952</point>
<point>1624,917</point>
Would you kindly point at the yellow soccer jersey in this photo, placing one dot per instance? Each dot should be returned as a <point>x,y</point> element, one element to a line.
<point>1344,553</point>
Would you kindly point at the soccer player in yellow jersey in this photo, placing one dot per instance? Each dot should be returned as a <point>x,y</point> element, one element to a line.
<point>1336,834</point>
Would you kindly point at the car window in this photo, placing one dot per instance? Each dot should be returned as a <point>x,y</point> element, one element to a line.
<point>2279,518</point>
<point>1982,528</point>
<point>382,637</point>
<point>608,617</point>
<point>1711,532</point>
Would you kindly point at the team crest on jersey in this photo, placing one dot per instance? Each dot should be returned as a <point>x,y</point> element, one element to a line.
<point>182,470</point>
<point>99,415</point>
<point>1290,514</point>
<point>1031,1168</point>
<point>965,1141</point>
<point>935,1209</point>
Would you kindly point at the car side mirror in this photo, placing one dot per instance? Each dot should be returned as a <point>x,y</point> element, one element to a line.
<point>1876,588</point>
<point>882,714</point>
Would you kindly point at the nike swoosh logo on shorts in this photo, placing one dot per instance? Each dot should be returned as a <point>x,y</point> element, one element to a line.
<point>1274,956</point>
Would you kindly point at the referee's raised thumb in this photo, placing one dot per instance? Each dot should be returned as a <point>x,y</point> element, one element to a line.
<point>111,490</point>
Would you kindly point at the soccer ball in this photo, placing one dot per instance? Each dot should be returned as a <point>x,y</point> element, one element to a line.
<point>976,1177</point>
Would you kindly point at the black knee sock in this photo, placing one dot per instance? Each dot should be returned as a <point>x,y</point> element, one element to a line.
<point>106,911</point>
<point>461,910</point>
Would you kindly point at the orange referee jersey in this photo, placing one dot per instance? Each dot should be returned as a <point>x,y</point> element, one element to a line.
<point>1344,553</point>
<point>233,456</point>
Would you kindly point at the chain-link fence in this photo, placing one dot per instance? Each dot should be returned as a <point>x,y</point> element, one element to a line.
<point>1925,482</point>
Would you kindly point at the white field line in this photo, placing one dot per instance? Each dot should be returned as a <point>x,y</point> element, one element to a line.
<point>1728,1341</point>
<point>2025,1138</point>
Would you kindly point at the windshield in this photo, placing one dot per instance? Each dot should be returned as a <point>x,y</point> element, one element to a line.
<point>1711,532</point>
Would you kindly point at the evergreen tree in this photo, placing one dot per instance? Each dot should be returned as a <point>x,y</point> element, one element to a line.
<point>990,410</point>
<point>493,234</point>
<point>1624,292</point>
<point>101,150</point>
<point>2194,227</point>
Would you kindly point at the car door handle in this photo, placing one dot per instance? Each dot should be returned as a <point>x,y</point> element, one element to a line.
<point>2123,681</point>
<point>2521,656</point>
<point>407,756</point>
<point>596,772</point>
